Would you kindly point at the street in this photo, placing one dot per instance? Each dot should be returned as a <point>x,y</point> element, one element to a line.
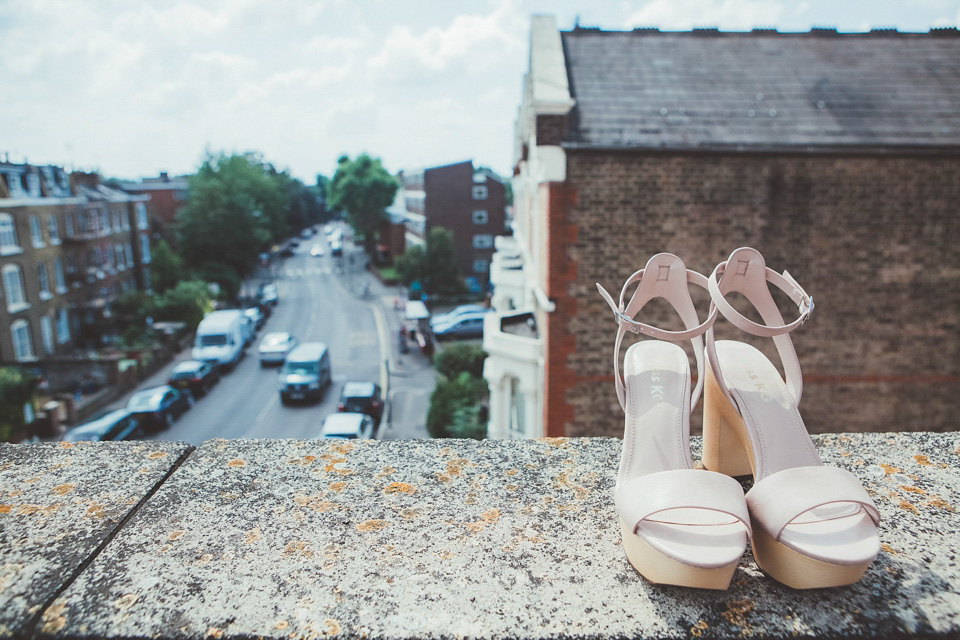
<point>314,305</point>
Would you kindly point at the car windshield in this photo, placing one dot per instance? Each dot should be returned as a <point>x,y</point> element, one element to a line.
<point>212,340</point>
<point>358,390</point>
<point>274,339</point>
<point>300,368</point>
<point>343,436</point>
<point>183,375</point>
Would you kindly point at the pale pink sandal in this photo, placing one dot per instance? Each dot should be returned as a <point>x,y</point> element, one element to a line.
<point>814,526</point>
<point>680,525</point>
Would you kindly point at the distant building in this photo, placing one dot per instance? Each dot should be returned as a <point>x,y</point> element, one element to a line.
<point>167,196</point>
<point>469,202</point>
<point>836,155</point>
<point>68,247</point>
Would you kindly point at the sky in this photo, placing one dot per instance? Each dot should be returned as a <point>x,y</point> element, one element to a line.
<point>133,88</point>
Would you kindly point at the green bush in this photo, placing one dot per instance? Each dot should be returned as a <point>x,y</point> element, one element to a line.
<point>16,390</point>
<point>458,358</point>
<point>186,302</point>
<point>452,395</point>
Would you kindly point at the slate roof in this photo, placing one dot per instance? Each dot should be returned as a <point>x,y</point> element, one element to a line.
<point>763,89</point>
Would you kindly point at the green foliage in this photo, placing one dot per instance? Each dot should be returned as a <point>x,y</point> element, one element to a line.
<point>364,189</point>
<point>166,267</point>
<point>410,264</point>
<point>458,358</point>
<point>238,205</point>
<point>187,302</point>
<point>16,390</point>
<point>449,397</point>
<point>441,273</point>
<point>467,423</point>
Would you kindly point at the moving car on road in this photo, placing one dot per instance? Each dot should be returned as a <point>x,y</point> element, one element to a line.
<point>157,408</point>
<point>268,294</point>
<point>348,425</point>
<point>254,314</point>
<point>317,251</point>
<point>195,376</point>
<point>361,397</point>
<point>221,337</point>
<point>275,346</point>
<point>116,425</point>
<point>305,372</point>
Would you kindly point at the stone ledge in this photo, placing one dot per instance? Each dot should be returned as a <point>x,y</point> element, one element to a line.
<point>425,539</point>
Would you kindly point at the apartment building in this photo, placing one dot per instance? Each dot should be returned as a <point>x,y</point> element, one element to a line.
<point>469,201</point>
<point>68,247</point>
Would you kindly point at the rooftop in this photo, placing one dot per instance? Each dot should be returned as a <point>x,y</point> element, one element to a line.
<point>711,89</point>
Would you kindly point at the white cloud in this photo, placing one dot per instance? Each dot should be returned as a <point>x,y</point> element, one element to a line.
<point>725,14</point>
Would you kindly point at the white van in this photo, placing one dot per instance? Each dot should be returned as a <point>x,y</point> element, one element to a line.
<point>221,338</point>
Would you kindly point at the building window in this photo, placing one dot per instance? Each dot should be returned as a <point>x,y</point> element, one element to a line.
<point>58,274</point>
<point>63,326</point>
<point>482,241</point>
<point>480,192</point>
<point>46,334</point>
<point>145,248</point>
<point>480,216</point>
<point>22,341</point>
<point>481,266</point>
<point>53,229</point>
<point>15,186</point>
<point>13,284</point>
<point>8,236</point>
<point>68,224</point>
<point>33,185</point>
<point>43,278</point>
<point>125,221</point>
<point>142,221</point>
<point>129,248</point>
<point>121,256</point>
<point>36,232</point>
<point>107,254</point>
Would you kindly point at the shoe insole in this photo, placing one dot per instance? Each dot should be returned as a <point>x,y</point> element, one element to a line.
<point>840,533</point>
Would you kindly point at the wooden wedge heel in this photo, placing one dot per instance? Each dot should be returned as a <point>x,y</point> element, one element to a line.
<point>680,525</point>
<point>814,526</point>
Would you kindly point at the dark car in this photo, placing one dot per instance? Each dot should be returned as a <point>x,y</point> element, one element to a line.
<point>115,425</point>
<point>196,376</point>
<point>158,407</point>
<point>361,397</point>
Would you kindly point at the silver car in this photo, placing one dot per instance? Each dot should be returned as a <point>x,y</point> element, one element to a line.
<point>274,347</point>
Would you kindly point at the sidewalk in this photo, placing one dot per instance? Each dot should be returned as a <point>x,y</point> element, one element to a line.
<point>411,377</point>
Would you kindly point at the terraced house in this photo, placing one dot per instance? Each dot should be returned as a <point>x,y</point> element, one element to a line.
<point>69,246</point>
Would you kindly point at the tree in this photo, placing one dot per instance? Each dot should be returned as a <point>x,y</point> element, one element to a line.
<point>237,206</point>
<point>187,302</point>
<point>410,264</point>
<point>16,390</point>
<point>166,267</point>
<point>364,189</point>
<point>452,396</point>
<point>441,273</point>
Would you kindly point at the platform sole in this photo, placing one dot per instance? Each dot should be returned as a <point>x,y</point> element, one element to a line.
<point>660,569</point>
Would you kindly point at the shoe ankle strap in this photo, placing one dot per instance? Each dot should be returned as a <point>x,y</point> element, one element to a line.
<point>660,278</point>
<point>784,282</point>
<point>746,272</point>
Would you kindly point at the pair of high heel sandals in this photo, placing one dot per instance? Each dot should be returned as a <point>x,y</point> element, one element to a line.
<point>810,526</point>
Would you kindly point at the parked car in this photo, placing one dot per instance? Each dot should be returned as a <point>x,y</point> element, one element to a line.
<point>361,397</point>
<point>467,325</point>
<point>157,408</point>
<point>445,318</point>
<point>254,314</point>
<point>196,376</point>
<point>268,294</point>
<point>294,243</point>
<point>336,248</point>
<point>347,425</point>
<point>286,251</point>
<point>306,233</point>
<point>305,372</point>
<point>317,251</point>
<point>275,346</point>
<point>115,425</point>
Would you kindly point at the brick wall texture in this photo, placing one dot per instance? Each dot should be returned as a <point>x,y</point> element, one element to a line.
<point>875,239</point>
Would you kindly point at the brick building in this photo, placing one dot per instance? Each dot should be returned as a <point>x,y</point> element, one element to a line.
<point>167,196</point>
<point>836,155</point>
<point>470,202</point>
<point>68,247</point>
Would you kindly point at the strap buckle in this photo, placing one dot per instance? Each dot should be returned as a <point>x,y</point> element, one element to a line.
<point>630,324</point>
<point>806,313</point>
